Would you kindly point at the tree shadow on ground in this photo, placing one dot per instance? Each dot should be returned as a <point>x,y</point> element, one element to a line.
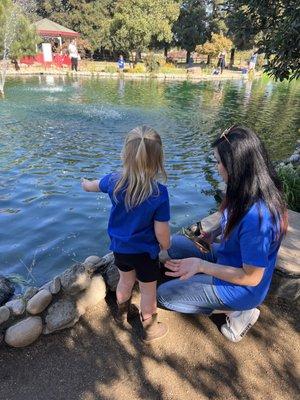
<point>97,360</point>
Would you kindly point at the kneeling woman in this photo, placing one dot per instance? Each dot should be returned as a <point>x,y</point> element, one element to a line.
<point>235,277</point>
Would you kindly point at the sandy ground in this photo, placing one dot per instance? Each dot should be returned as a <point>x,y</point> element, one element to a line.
<point>97,360</point>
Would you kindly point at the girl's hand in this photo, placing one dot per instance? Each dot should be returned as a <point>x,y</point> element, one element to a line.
<point>185,268</point>
<point>85,184</point>
<point>90,186</point>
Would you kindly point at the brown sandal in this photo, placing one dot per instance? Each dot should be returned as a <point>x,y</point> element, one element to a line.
<point>152,329</point>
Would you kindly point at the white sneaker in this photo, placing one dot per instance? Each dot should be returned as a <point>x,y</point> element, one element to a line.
<point>238,324</point>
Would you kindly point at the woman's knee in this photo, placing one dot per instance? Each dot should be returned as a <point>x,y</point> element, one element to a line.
<point>180,246</point>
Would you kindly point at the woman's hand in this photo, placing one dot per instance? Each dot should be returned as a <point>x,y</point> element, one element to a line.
<point>183,269</point>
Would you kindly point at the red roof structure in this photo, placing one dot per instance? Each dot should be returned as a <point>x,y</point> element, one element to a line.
<point>47,28</point>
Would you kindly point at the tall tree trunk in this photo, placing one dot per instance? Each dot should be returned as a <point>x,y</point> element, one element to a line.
<point>166,48</point>
<point>231,63</point>
<point>138,56</point>
<point>132,59</point>
<point>188,56</point>
<point>208,59</point>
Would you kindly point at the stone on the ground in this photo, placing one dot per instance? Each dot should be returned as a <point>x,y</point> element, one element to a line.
<point>17,306</point>
<point>4,314</point>
<point>55,285</point>
<point>92,260</point>
<point>294,158</point>
<point>6,290</point>
<point>24,332</point>
<point>60,315</point>
<point>75,279</point>
<point>92,295</point>
<point>111,276</point>
<point>30,292</point>
<point>96,264</point>
<point>39,302</point>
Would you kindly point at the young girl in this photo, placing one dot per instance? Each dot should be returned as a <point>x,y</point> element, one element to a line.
<point>138,225</point>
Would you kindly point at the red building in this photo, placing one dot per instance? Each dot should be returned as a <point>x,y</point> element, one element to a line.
<point>50,52</point>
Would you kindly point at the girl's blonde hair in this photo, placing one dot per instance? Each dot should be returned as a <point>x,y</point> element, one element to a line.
<point>143,161</point>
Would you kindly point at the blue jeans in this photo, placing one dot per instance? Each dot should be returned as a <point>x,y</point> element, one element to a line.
<point>196,295</point>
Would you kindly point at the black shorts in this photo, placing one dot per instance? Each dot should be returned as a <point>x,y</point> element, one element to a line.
<point>147,269</point>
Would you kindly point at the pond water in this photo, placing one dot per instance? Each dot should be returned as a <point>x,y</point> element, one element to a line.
<point>56,130</point>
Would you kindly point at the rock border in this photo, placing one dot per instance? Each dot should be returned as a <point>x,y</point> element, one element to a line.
<point>59,303</point>
<point>294,159</point>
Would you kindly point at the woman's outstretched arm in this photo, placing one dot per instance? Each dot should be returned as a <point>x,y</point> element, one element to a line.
<point>248,275</point>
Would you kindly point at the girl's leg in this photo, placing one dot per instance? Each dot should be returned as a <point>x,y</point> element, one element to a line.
<point>152,329</point>
<point>125,286</point>
<point>192,296</point>
<point>148,298</point>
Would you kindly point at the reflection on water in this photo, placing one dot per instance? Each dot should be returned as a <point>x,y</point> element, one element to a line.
<point>56,130</point>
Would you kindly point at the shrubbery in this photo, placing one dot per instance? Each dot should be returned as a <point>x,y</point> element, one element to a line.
<point>153,62</point>
<point>290,178</point>
<point>111,69</point>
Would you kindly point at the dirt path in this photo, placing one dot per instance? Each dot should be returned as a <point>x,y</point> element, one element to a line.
<point>96,360</point>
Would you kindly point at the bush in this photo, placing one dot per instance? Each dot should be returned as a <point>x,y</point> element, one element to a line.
<point>111,69</point>
<point>138,69</point>
<point>168,68</point>
<point>290,178</point>
<point>153,62</point>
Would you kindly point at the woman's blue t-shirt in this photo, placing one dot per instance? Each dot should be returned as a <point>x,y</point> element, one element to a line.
<point>133,231</point>
<point>253,241</point>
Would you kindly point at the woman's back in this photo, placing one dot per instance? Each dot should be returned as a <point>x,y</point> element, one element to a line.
<point>254,241</point>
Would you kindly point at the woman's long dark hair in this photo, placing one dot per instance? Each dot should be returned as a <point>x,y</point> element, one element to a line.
<point>251,177</point>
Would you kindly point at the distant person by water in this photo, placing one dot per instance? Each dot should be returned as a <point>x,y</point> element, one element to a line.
<point>74,55</point>
<point>138,225</point>
<point>252,61</point>
<point>221,61</point>
<point>121,63</point>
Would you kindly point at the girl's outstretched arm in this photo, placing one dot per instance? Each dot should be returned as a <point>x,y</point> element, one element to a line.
<point>162,233</point>
<point>90,186</point>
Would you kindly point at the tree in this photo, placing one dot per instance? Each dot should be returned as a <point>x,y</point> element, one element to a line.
<point>17,34</point>
<point>137,23</point>
<point>218,17</point>
<point>273,26</point>
<point>192,26</point>
<point>213,47</point>
<point>90,18</point>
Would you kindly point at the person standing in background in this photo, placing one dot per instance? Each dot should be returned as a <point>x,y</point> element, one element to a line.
<point>221,61</point>
<point>252,61</point>
<point>73,53</point>
<point>121,63</point>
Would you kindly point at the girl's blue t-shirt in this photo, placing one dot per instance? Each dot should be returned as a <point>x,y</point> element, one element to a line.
<point>254,241</point>
<point>132,232</point>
